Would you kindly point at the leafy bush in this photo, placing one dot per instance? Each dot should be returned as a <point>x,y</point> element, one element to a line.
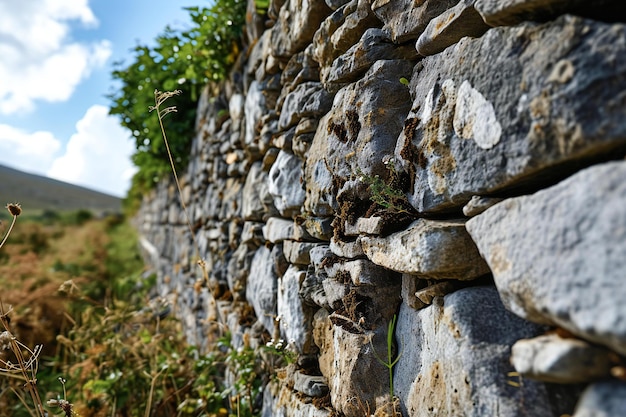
<point>185,60</point>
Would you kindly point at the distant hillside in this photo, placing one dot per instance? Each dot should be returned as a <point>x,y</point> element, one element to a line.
<point>37,193</point>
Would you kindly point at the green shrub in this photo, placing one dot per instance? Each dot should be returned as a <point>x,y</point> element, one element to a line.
<point>185,60</point>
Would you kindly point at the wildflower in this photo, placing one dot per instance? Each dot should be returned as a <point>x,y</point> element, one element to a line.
<point>14,208</point>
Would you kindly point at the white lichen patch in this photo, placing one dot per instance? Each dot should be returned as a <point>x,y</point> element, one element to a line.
<point>475,118</point>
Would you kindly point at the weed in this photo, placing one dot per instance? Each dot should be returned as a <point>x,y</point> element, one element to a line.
<point>384,193</point>
<point>390,362</point>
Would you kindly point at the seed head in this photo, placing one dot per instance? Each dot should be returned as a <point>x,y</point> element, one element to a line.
<point>14,208</point>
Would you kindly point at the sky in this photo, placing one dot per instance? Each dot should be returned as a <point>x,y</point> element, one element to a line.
<point>56,57</point>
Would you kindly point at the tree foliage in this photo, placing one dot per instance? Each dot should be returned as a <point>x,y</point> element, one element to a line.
<point>185,60</point>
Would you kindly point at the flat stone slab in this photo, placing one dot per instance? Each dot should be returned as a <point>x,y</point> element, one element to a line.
<point>552,358</point>
<point>449,27</point>
<point>428,249</point>
<point>559,256</point>
<point>507,109</point>
<point>603,399</point>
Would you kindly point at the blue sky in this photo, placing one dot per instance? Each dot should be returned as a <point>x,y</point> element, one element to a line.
<point>57,56</point>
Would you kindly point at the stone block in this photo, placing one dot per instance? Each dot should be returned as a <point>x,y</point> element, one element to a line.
<point>558,256</point>
<point>431,249</point>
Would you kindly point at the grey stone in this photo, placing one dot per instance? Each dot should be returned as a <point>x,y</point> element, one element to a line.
<point>284,184</point>
<point>358,18</point>
<point>558,256</point>
<point>410,285</point>
<point>347,249</point>
<point>375,45</point>
<point>298,252</point>
<point>256,185</point>
<point>297,22</point>
<point>262,287</point>
<point>255,108</point>
<point>504,122</point>
<point>429,249</point>
<point>252,234</point>
<point>603,399</point>
<point>439,289</point>
<point>277,230</point>
<point>335,4</point>
<point>238,270</point>
<point>407,19</point>
<point>308,100</point>
<point>360,272</point>
<point>357,133</point>
<point>319,227</point>
<point>552,358</point>
<point>449,27</point>
<point>348,362</point>
<point>456,360</point>
<point>512,12</point>
<point>366,225</point>
<point>478,204</point>
<point>295,316</point>
<point>311,385</point>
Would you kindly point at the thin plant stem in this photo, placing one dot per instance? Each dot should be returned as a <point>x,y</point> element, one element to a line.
<point>6,236</point>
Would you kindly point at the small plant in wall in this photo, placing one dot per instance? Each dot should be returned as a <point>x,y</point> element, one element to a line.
<point>386,194</point>
<point>389,362</point>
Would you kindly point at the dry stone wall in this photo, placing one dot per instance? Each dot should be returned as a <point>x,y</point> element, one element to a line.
<point>458,165</point>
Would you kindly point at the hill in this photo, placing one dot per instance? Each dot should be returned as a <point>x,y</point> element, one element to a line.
<point>36,193</point>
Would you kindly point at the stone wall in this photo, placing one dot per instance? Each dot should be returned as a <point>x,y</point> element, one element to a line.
<point>458,165</point>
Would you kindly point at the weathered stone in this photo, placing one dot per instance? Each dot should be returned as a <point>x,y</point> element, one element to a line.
<point>603,399</point>
<point>501,122</point>
<point>319,228</point>
<point>366,225</point>
<point>410,285</point>
<point>439,289</point>
<point>296,317</point>
<point>335,4</point>
<point>428,249</point>
<point>358,18</point>
<point>276,230</point>
<point>478,204</point>
<point>375,45</point>
<point>358,132</point>
<point>457,363</point>
<point>278,258</point>
<point>308,100</point>
<point>345,249</point>
<point>252,234</point>
<point>284,184</point>
<point>281,401</point>
<point>255,108</point>
<point>262,288</point>
<point>298,252</point>
<point>558,256</point>
<point>552,358</point>
<point>407,19</point>
<point>311,385</point>
<point>297,22</point>
<point>361,272</point>
<point>449,27</point>
<point>324,51</point>
<point>348,362</point>
<point>253,207</point>
<point>512,12</point>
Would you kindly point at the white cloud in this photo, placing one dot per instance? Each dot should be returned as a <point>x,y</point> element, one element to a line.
<point>31,152</point>
<point>97,155</point>
<point>39,59</point>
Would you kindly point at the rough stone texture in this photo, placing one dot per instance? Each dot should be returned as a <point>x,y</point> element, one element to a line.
<point>603,399</point>
<point>428,249</point>
<point>407,19</point>
<point>296,318</point>
<point>512,12</point>
<point>348,361</point>
<point>458,361</point>
<point>364,123</point>
<point>297,22</point>
<point>568,268</point>
<point>375,45</point>
<point>261,288</point>
<point>483,122</point>
<point>307,100</point>
<point>284,184</point>
<point>551,358</point>
<point>492,118</point>
<point>449,27</point>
